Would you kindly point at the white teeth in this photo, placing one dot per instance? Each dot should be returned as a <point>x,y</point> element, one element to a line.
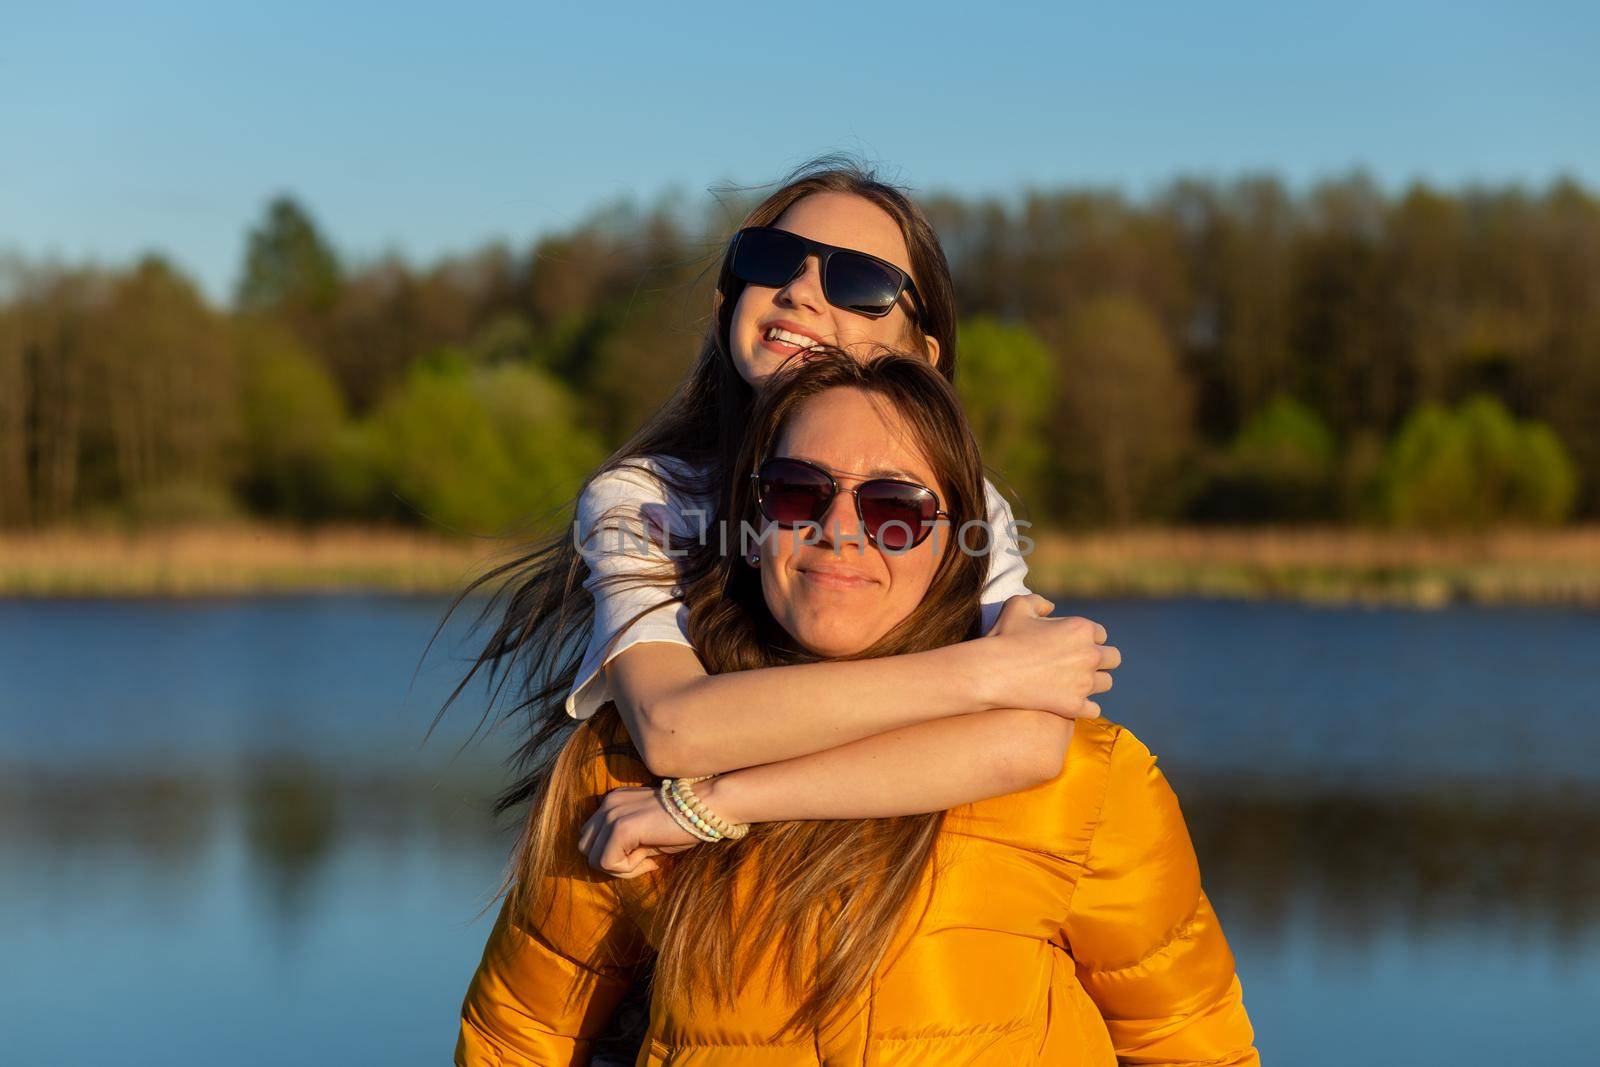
<point>800,340</point>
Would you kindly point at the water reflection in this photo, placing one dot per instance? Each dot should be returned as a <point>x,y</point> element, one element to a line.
<point>291,829</point>
<point>1365,869</point>
<point>1362,868</point>
<point>288,820</point>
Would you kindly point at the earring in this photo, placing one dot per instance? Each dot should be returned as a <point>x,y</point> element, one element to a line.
<point>755,561</point>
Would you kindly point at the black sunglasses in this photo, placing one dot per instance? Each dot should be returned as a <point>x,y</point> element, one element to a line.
<point>896,515</point>
<point>855,281</point>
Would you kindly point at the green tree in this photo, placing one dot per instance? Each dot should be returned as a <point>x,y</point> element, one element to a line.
<point>1007,382</point>
<point>166,397</point>
<point>16,474</point>
<point>1340,305</point>
<point>1428,312</point>
<point>1281,465</point>
<point>1252,275</point>
<point>49,347</point>
<point>302,457</point>
<point>480,451</point>
<point>375,332</point>
<point>637,353</point>
<point>288,266</point>
<point>1552,299</point>
<point>1474,467</point>
<point>1124,418</point>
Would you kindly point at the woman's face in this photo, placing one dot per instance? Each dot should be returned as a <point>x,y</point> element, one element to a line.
<point>841,219</point>
<point>840,594</point>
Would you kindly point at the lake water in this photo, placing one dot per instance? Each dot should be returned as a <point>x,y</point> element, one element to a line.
<point>222,838</point>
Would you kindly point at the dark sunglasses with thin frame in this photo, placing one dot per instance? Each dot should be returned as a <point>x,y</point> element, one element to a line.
<point>896,515</point>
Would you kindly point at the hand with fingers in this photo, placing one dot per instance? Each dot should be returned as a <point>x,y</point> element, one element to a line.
<point>1051,664</point>
<point>628,830</point>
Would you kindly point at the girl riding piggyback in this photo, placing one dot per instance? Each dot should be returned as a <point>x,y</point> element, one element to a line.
<point>835,258</point>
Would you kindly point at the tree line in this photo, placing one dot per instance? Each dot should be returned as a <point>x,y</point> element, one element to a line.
<point>1222,351</point>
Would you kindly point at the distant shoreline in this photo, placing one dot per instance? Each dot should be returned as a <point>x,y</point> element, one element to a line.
<point>1325,565</point>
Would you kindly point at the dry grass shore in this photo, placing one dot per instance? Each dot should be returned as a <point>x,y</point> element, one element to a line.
<point>1326,564</point>
<point>1361,566</point>
<point>234,559</point>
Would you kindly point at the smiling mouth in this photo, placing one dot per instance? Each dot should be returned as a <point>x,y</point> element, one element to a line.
<point>787,341</point>
<point>836,579</point>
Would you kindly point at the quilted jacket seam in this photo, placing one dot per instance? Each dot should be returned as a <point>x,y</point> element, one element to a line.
<point>971,1031</point>
<point>684,1043</point>
<point>609,971</point>
<point>1178,933</point>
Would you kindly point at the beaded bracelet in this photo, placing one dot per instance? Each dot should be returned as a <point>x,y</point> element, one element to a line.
<point>685,821</point>
<point>685,795</point>
<point>689,813</point>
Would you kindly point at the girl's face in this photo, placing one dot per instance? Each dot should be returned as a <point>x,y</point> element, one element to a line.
<point>800,309</point>
<point>841,593</point>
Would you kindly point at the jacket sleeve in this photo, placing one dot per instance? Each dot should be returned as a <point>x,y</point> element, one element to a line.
<point>548,986</point>
<point>1149,949</point>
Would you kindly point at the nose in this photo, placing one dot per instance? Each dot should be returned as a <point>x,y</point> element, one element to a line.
<point>804,290</point>
<point>841,525</point>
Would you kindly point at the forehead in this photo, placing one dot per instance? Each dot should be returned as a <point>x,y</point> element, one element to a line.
<point>855,435</point>
<point>849,221</point>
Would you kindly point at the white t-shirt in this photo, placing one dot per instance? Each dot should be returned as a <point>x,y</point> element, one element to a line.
<point>647,506</point>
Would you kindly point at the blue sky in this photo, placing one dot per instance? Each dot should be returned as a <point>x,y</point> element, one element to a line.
<point>426,129</point>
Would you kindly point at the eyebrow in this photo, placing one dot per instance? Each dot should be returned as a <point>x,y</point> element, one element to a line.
<point>876,472</point>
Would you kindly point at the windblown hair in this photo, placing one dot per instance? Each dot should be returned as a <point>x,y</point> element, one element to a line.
<point>546,615</point>
<point>828,895</point>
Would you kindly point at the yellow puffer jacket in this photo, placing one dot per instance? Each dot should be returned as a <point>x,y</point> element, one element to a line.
<point>1067,927</point>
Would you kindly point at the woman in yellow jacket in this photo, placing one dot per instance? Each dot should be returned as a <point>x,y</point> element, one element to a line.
<point>1064,924</point>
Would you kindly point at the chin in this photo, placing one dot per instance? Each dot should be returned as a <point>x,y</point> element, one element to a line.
<point>834,642</point>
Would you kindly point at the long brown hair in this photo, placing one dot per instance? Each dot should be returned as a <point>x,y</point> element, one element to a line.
<point>545,614</point>
<point>831,892</point>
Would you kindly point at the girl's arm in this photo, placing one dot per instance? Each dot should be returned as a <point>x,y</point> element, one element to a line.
<point>686,722</point>
<point>930,766</point>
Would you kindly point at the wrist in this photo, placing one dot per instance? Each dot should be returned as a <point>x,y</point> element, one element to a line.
<point>723,794</point>
<point>971,679</point>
